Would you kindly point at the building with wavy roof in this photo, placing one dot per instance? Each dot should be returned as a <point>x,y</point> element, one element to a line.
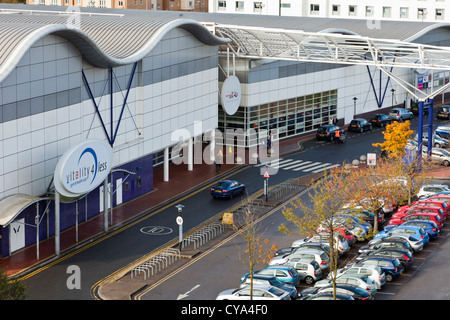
<point>141,80</point>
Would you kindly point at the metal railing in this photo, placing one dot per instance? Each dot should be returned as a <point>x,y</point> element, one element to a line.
<point>201,236</point>
<point>156,263</point>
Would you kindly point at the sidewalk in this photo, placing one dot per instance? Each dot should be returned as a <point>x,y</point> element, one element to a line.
<point>181,181</point>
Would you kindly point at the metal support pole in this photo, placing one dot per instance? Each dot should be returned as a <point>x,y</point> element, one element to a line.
<point>37,230</point>
<point>166,164</point>
<point>57,213</point>
<point>420,134</point>
<point>105,205</point>
<point>430,126</point>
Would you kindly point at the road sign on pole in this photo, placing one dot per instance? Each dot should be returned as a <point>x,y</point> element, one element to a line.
<point>266,175</point>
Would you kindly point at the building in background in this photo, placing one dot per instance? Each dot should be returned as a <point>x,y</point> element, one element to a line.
<point>412,10</point>
<point>169,5</point>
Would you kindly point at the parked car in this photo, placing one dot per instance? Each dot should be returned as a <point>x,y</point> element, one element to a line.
<point>227,189</point>
<point>260,292</point>
<point>327,132</point>
<point>308,271</point>
<point>355,292</point>
<point>386,243</point>
<point>404,256</point>
<point>313,245</point>
<point>380,120</point>
<point>436,141</point>
<point>430,227</point>
<point>303,254</point>
<point>285,274</point>
<point>428,208</point>
<point>426,216</point>
<point>442,197</point>
<point>432,203</point>
<point>418,232</point>
<point>373,272</point>
<point>416,244</point>
<point>415,108</point>
<point>431,189</point>
<point>443,131</point>
<point>443,112</point>
<point>391,267</point>
<point>439,156</point>
<point>329,296</point>
<point>359,125</point>
<point>341,243</point>
<point>361,281</point>
<point>259,279</point>
<point>400,114</point>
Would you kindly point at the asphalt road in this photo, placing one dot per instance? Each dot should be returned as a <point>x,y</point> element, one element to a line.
<point>104,257</point>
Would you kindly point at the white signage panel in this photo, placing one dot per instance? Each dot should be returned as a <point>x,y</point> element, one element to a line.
<point>83,167</point>
<point>231,95</point>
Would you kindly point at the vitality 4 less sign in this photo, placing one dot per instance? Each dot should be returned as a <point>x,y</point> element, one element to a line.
<point>83,167</point>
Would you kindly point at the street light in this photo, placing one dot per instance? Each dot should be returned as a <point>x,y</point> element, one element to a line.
<point>180,223</point>
<point>393,91</point>
<point>354,106</point>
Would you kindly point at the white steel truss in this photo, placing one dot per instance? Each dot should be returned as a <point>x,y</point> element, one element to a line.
<point>296,45</point>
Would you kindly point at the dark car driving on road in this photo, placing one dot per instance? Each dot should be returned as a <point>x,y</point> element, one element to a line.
<point>328,132</point>
<point>359,125</point>
<point>380,120</point>
<point>227,189</point>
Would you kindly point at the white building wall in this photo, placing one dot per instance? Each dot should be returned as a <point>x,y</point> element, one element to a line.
<point>39,122</point>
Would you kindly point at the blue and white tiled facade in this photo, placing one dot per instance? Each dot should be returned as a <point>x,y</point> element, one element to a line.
<point>46,109</point>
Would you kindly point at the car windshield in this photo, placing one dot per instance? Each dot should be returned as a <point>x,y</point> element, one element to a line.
<point>354,122</point>
<point>322,129</point>
<point>276,282</point>
<point>222,184</point>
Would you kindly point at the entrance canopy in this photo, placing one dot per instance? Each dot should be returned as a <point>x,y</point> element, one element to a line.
<point>13,205</point>
<point>340,46</point>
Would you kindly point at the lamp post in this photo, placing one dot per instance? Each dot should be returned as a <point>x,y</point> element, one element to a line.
<point>180,223</point>
<point>354,106</point>
<point>393,91</point>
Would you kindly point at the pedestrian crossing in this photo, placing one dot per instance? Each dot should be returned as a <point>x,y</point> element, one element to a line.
<point>299,165</point>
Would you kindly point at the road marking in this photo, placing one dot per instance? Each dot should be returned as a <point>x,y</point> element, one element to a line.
<point>296,165</point>
<point>185,295</point>
<point>306,166</point>
<point>317,167</point>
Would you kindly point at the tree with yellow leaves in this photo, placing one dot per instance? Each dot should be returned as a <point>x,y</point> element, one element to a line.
<point>396,137</point>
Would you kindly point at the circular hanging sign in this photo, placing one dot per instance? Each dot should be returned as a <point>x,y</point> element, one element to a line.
<point>231,95</point>
<point>83,167</point>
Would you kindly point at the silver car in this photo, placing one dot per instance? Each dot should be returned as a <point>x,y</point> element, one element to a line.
<point>260,279</point>
<point>304,254</point>
<point>439,156</point>
<point>361,281</point>
<point>308,270</point>
<point>400,114</point>
<point>260,292</point>
<point>373,272</point>
<point>416,244</point>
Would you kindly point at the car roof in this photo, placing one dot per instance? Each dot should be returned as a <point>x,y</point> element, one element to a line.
<point>308,250</point>
<point>279,266</point>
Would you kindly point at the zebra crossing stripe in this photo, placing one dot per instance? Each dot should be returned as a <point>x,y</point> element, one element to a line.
<point>329,167</point>
<point>308,165</point>
<point>273,163</point>
<point>292,164</point>
<point>317,167</point>
<point>297,165</point>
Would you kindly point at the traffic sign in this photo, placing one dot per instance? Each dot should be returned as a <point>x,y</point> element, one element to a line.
<point>266,175</point>
<point>179,220</point>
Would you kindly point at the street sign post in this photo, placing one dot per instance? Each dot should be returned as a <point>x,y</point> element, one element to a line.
<point>266,177</point>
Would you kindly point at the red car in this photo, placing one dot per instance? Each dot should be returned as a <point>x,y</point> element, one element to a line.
<point>439,204</point>
<point>426,216</point>
<point>417,209</point>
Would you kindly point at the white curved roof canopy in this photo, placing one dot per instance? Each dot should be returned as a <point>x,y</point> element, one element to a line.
<point>103,40</point>
<point>332,46</point>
